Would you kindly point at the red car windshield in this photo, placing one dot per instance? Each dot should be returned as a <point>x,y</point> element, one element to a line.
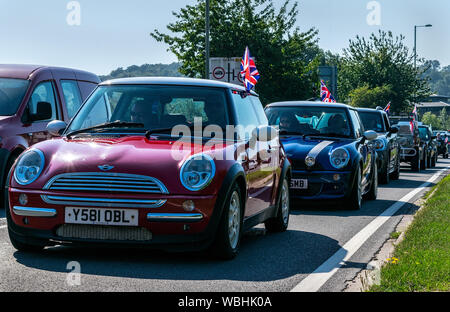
<point>154,106</point>
<point>12,92</point>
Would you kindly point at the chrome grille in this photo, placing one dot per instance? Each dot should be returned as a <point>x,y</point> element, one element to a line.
<point>100,232</point>
<point>106,182</point>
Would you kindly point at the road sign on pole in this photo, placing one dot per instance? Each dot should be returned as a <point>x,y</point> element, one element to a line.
<point>329,75</point>
<point>226,69</point>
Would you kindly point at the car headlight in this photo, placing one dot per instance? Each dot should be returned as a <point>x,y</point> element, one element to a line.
<point>339,158</point>
<point>197,172</point>
<point>378,144</point>
<point>29,167</point>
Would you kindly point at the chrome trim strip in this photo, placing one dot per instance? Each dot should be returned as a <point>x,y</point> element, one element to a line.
<point>103,202</point>
<point>101,176</point>
<point>34,212</point>
<point>102,189</point>
<point>174,217</point>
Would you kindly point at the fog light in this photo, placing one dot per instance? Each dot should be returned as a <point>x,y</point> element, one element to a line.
<point>336,177</point>
<point>23,199</point>
<point>188,206</point>
<point>310,161</point>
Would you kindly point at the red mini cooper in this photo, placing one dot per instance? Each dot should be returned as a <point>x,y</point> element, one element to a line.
<point>170,163</point>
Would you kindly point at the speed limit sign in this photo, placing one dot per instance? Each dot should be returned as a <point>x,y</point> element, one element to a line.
<point>218,73</point>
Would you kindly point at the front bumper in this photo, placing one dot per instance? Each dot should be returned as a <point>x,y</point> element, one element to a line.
<point>166,227</point>
<point>322,185</point>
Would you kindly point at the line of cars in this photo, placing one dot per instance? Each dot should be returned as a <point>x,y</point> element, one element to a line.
<point>189,164</point>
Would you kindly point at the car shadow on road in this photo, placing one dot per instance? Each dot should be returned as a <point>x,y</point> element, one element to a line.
<point>262,257</point>
<point>372,208</point>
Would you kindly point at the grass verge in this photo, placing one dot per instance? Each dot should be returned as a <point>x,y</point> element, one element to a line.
<point>421,262</point>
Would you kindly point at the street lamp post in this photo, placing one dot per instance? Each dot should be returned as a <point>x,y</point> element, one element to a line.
<point>415,42</point>
<point>207,40</point>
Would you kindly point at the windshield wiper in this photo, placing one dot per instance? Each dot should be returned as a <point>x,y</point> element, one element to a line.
<point>115,124</point>
<point>328,135</point>
<point>164,130</point>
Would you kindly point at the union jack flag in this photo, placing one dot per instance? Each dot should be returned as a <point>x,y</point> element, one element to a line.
<point>325,94</point>
<point>414,113</point>
<point>249,73</point>
<point>388,108</point>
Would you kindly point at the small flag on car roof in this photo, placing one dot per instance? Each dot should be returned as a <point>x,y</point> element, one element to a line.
<point>325,94</point>
<point>388,108</point>
<point>249,73</point>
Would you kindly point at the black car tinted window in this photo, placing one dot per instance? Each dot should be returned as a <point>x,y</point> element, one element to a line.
<point>12,92</point>
<point>372,121</point>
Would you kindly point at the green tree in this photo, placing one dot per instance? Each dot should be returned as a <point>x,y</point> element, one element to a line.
<point>371,98</point>
<point>443,119</point>
<point>431,119</point>
<point>382,60</point>
<point>285,57</point>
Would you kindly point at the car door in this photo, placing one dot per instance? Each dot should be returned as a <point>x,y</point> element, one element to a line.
<point>392,145</point>
<point>259,177</point>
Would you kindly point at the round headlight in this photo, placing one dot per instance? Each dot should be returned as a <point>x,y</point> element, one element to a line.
<point>339,158</point>
<point>197,172</point>
<point>378,144</point>
<point>29,167</point>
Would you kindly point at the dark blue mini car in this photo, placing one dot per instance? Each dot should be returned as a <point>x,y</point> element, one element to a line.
<point>329,151</point>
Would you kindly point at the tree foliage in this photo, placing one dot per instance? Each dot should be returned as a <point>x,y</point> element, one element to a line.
<point>431,119</point>
<point>379,61</point>
<point>285,57</point>
<point>371,97</point>
<point>146,70</point>
<point>439,77</point>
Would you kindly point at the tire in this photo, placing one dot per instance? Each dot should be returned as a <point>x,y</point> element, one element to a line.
<point>281,222</point>
<point>415,164</point>
<point>384,176</point>
<point>429,161</point>
<point>434,161</point>
<point>227,241</point>
<point>373,191</point>
<point>354,202</point>
<point>424,161</point>
<point>396,174</point>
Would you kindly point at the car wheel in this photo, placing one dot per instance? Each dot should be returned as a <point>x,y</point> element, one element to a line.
<point>424,161</point>
<point>384,177</point>
<point>281,221</point>
<point>373,191</point>
<point>429,161</point>
<point>396,174</point>
<point>354,202</point>
<point>415,163</point>
<point>227,241</point>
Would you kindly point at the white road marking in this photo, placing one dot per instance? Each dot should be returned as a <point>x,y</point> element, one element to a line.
<point>3,227</point>
<point>314,281</point>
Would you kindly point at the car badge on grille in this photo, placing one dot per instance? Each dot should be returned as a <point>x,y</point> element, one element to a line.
<point>105,167</point>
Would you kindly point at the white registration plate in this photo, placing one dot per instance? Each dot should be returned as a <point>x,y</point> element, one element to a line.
<point>101,216</point>
<point>299,184</point>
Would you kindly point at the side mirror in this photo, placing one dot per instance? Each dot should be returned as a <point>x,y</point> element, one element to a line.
<point>370,135</point>
<point>56,127</point>
<point>393,130</point>
<point>43,112</point>
<point>265,133</point>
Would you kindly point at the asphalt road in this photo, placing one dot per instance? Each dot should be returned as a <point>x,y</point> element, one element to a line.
<point>267,262</point>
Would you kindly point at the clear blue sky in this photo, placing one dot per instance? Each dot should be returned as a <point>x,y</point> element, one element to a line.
<point>115,33</point>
